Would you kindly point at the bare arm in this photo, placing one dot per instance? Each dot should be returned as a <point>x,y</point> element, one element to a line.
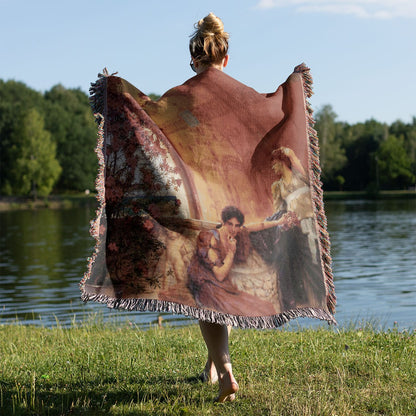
<point>221,272</point>
<point>258,226</point>
<point>287,220</point>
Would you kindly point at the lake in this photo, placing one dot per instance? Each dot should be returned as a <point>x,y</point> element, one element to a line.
<point>43,257</point>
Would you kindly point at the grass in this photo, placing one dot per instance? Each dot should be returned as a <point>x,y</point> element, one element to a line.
<point>108,369</point>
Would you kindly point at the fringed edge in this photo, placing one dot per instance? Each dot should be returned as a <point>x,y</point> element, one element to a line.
<point>245,322</point>
<point>98,105</point>
<point>98,93</point>
<point>98,101</point>
<point>317,192</point>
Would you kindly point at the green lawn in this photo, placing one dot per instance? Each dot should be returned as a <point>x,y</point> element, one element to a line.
<point>109,369</point>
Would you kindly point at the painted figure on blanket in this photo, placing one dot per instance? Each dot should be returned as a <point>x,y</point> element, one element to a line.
<point>291,193</point>
<point>211,268</point>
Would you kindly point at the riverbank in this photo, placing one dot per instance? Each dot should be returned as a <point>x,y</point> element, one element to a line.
<point>104,369</point>
<point>12,203</point>
<point>344,195</point>
<point>64,201</point>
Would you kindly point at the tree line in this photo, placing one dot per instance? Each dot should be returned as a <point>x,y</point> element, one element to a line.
<point>369,156</point>
<point>47,140</point>
<point>47,143</point>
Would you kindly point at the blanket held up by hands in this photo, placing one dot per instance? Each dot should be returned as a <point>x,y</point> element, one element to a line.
<point>210,202</point>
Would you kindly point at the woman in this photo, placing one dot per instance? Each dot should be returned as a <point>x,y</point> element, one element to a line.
<point>291,189</point>
<point>209,48</point>
<point>204,144</point>
<point>291,193</point>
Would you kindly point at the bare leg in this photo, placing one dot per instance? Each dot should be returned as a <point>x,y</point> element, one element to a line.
<point>216,339</point>
<point>209,374</point>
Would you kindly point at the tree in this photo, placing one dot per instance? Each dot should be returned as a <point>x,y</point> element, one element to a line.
<point>71,123</point>
<point>42,134</point>
<point>362,141</point>
<point>35,169</point>
<point>154,96</point>
<point>16,98</point>
<point>394,164</point>
<point>408,133</point>
<point>332,154</point>
<point>15,92</point>
<point>8,116</point>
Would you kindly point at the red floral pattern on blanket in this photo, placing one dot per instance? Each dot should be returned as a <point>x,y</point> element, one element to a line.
<point>140,179</point>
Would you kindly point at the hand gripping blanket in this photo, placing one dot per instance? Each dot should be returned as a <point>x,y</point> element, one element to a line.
<point>210,202</point>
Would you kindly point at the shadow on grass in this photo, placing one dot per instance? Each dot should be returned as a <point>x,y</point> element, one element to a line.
<point>99,396</point>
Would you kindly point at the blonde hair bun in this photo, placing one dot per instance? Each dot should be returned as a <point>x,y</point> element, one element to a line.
<point>211,25</point>
<point>209,43</point>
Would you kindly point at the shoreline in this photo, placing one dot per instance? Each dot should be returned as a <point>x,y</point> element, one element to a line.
<point>67,201</point>
<point>364,195</point>
<point>62,201</point>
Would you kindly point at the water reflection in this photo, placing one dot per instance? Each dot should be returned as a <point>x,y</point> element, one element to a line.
<point>374,260</point>
<point>43,257</point>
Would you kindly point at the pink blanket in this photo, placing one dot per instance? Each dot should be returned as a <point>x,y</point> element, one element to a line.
<point>210,202</point>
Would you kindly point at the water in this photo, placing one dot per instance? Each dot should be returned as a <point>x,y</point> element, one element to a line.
<point>374,260</point>
<point>43,257</point>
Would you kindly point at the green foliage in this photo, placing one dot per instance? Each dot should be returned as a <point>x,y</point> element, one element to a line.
<point>408,133</point>
<point>35,168</point>
<point>340,180</point>
<point>16,99</point>
<point>365,156</point>
<point>361,171</point>
<point>394,163</point>
<point>14,92</point>
<point>154,96</point>
<point>71,123</point>
<point>71,134</point>
<point>332,154</point>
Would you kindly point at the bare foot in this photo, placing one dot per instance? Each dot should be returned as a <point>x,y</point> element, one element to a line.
<point>228,388</point>
<point>229,398</point>
<point>205,377</point>
<point>209,375</point>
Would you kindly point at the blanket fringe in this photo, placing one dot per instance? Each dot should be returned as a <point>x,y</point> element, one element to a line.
<point>317,193</point>
<point>245,322</point>
<point>98,101</point>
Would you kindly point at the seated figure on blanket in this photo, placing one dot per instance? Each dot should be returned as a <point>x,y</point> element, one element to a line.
<point>216,253</point>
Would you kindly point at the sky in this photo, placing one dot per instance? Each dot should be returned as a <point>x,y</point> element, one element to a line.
<point>362,53</point>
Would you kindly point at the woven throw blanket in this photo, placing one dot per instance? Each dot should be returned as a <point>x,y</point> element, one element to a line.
<point>210,202</point>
